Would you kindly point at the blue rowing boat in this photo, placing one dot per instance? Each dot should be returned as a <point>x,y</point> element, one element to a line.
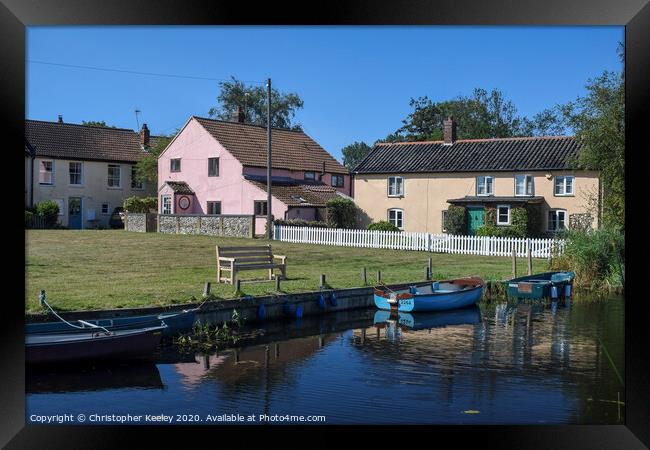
<point>541,285</point>
<point>431,296</point>
<point>427,320</point>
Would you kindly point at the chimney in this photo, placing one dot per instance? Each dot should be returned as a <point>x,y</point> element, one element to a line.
<point>239,116</point>
<point>60,118</point>
<point>144,136</point>
<point>449,130</point>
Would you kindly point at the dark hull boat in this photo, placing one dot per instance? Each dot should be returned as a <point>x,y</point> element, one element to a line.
<point>431,296</point>
<point>42,348</point>
<point>176,321</point>
<point>542,285</point>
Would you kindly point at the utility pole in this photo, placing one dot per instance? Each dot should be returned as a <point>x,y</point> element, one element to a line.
<point>269,222</point>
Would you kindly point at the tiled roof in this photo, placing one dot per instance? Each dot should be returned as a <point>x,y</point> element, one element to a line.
<point>478,155</point>
<point>495,199</point>
<point>83,142</point>
<point>296,192</point>
<point>292,150</point>
<point>180,187</point>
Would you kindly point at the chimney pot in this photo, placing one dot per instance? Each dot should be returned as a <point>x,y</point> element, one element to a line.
<point>144,135</point>
<point>449,131</point>
<point>60,118</point>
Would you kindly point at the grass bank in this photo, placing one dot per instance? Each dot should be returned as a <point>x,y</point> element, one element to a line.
<point>105,269</point>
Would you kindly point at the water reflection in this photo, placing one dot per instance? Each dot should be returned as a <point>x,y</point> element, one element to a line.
<point>500,363</point>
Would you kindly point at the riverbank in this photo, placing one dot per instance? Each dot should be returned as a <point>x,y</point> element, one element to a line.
<point>113,269</point>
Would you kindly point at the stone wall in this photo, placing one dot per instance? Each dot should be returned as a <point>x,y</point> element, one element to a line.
<point>217,225</point>
<point>140,222</point>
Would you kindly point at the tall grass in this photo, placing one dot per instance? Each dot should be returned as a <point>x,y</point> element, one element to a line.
<point>597,257</point>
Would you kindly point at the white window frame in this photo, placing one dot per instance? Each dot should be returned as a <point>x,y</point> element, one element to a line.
<point>119,177</point>
<point>207,207</point>
<point>171,165</point>
<point>555,213</point>
<point>51,172</point>
<point>563,185</point>
<point>81,173</point>
<point>338,177</point>
<point>397,193</point>
<point>135,185</point>
<point>218,167</point>
<point>163,206</point>
<point>108,209</point>
<point>532,185</point>
<point>485,182</point>
<point>397,219</point>
<point>499,223</point>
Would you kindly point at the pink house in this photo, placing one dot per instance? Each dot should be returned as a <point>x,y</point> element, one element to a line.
<point>219,167</point>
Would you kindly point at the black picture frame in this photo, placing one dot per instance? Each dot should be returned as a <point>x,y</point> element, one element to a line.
<point>15,15</point>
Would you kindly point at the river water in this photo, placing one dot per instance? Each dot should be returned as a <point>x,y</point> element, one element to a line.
<point>498,363</point>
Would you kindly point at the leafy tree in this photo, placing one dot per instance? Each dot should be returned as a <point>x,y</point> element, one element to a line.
<point>354,153</point>
<point>96,123</point>
<point>481,115</point>
<point>252,100</point>
<point>341,213</point>
<point>147,168</point>
<point>598,119</point>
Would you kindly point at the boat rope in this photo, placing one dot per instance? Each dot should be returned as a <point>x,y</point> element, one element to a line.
<point>44,302</point>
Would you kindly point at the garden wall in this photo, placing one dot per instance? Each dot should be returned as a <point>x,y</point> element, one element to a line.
<point>140,222</point>
<point>213,225</point>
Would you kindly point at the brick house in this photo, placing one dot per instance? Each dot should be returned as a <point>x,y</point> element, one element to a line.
<point>412,184</point>
<point>219,167</point>
<point>87,170</point>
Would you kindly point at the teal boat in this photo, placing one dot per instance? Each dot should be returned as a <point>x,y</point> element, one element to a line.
<point>541,285</point>
<point>431,296</point>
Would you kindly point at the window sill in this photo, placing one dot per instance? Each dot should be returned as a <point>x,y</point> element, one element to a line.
<point>76,185</point>
<point>396,196</point>
<point>46,184</point>
<point>564,195</point>
<point>112,188</point>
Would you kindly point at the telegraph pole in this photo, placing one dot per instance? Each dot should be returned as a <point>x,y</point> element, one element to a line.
<point>269,222</point>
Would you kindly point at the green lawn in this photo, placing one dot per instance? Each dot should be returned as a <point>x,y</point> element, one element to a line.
<point>102,269</point>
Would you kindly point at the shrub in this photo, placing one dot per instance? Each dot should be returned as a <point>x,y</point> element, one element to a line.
<point>28,218</point>
<point>49,209</point>
<point>341,213</point>
<point>456,220</point>
<point>488,230</point>
<point>597,258</point>
<point>383,226</point>
<point>519,222</point>
<point>301,223</point>
<point>141,204</point>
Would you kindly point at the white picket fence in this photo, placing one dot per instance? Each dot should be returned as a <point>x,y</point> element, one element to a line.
<point>439,243</point>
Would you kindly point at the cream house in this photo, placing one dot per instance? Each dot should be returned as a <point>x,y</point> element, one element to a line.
<point>87,170</point>
<point>413,184</point>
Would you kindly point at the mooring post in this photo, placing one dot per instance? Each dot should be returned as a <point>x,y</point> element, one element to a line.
<point>427,273</point>
<point>430,265</point>
<point>364,276</point>
<point>277,351</point>
<point>206,289</point>
<point>322,280</point>
<point>379,277</point>
<point>277,284</point>
<point>363,336</point>
<point>267,353</point>
<point>206,362</point>
<point>530,257</point>
<point>514,262</point>
<point>238,286</point>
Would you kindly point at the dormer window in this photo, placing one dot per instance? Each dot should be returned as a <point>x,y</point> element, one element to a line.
<point>484,185</point>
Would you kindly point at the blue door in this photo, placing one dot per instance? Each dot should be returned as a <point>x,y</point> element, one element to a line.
<point>74,213</point>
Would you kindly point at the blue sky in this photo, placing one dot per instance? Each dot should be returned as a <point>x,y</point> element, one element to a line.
<point>356,82</point>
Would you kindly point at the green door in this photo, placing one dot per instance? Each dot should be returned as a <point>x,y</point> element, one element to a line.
<point>475,218</point>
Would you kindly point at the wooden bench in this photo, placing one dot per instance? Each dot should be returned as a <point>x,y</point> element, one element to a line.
<point>236,259</point>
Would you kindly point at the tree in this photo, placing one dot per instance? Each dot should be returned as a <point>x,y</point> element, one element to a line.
<point>96,123</point>
<point>252,100</point>
<point>147,168</point>
<point>598,119</point>
<point>481,115</point>
<point>354,153</point>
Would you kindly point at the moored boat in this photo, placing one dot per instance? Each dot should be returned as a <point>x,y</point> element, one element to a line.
<point>431,296</point>
<point>94,343</point>
<point>541,285</point>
